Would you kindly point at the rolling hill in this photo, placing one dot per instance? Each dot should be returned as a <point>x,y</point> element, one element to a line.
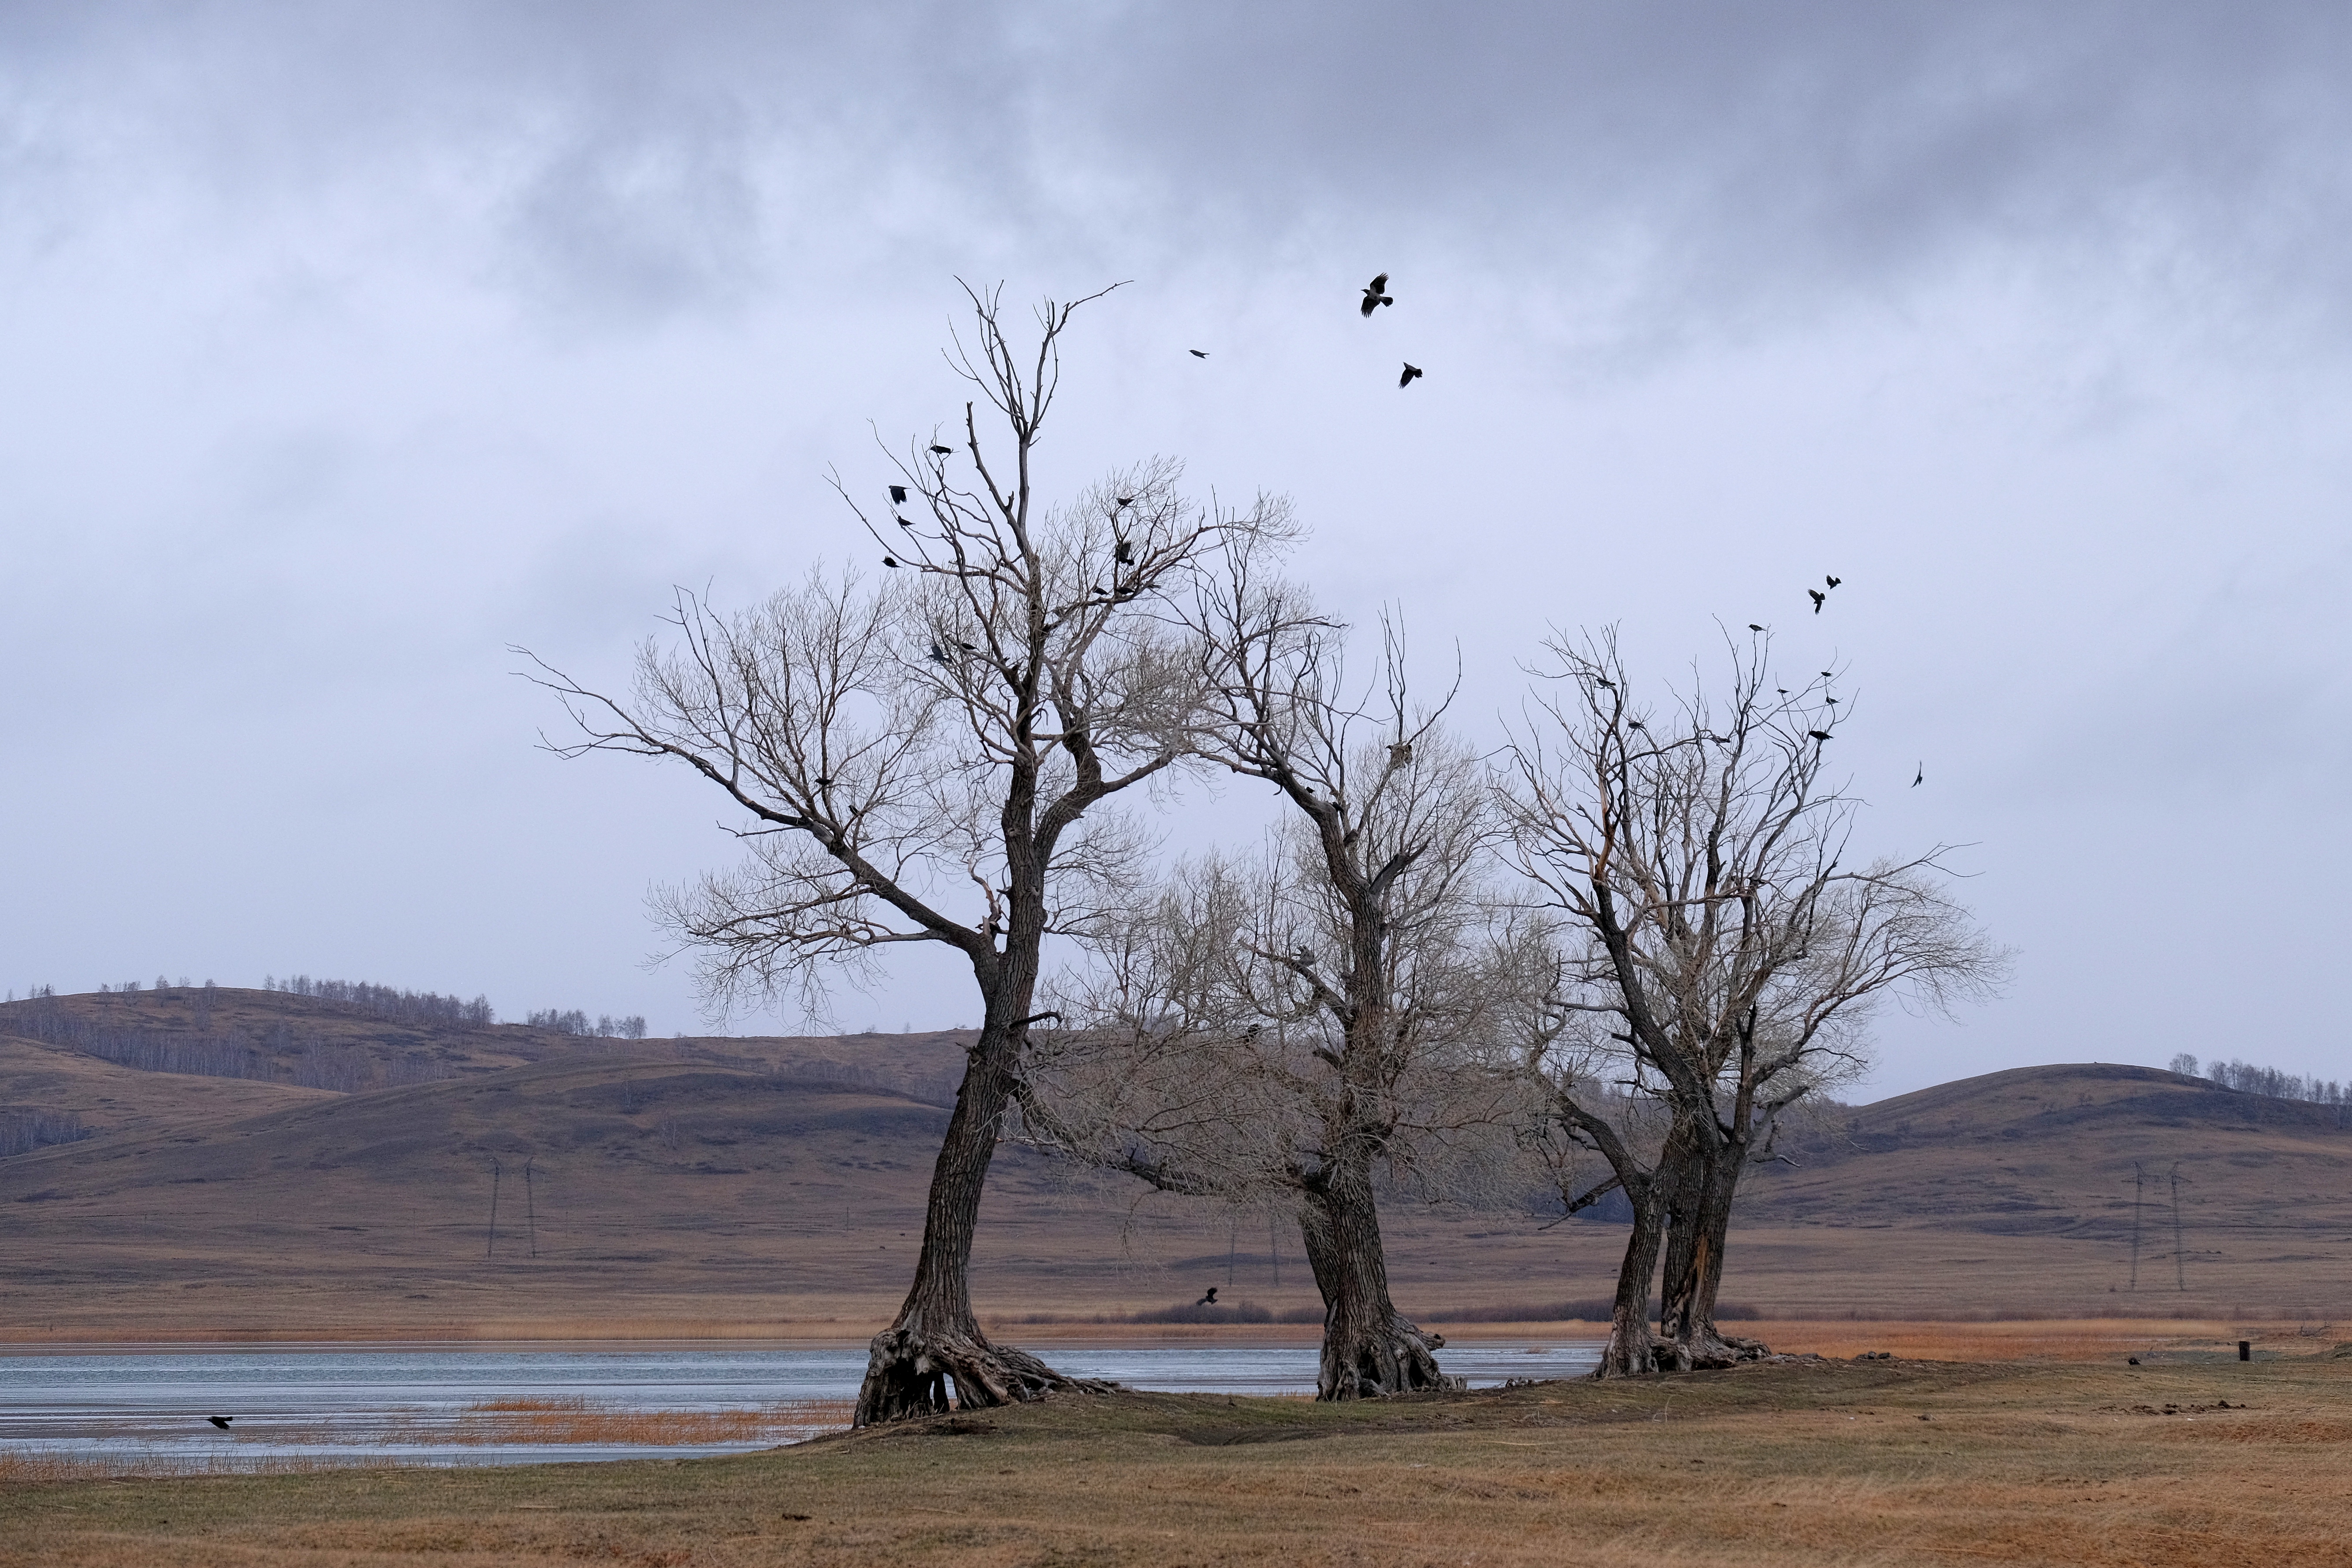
<point>775,1186</point>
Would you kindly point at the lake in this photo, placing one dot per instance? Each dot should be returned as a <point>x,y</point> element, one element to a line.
<point>297,1406</point>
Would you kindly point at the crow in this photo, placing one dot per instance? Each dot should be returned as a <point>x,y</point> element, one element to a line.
<point>943,451</point>
<point>897,495</point>
<point>824,783</point>
<point>939,654</point>
<point>1198,353</point>
<point>1819,597</point>
<point>1124,553</point>
<point>1831,701</point>
<point>1832,582</point>
<point>1376,295</point>
<point>221,1421</point>
<point>1829,675</point>
<point>901,521</point>
<point>1126,500</point>
<point>1208,1301</point>
<point>1412,373</point>
<point>1635,724</point>
<point>889,561</point>
<point>1603,681</point>
<point>1754,628</point>
<point>1819,734</point>
<point>1920,777</point>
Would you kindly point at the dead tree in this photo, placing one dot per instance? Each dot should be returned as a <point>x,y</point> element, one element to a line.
<point>1285,1029</point>
<point>1695,857</point>
<point>929,760</point>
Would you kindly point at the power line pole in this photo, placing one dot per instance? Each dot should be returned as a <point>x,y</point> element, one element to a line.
<point>491,1246</point>
<point>530,1207</point>
<point>2135,1197</point>
<point>2179,1258</point>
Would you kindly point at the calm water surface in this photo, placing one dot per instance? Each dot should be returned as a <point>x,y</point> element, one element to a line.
<point>314,1404</point>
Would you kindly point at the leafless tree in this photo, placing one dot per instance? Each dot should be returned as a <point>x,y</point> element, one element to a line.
<point>1283,1028</point>
<point>932,760</point>
<point>1709,927</point>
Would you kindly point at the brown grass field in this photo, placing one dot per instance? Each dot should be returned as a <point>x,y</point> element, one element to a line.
<point>2056,1452</point>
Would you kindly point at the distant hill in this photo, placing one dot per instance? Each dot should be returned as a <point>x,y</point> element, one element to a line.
<point>667,1184</point>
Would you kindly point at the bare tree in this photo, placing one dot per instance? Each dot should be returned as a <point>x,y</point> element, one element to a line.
<point>929,760</point>
<point>1695,858</point>
<point>1282,1029</point>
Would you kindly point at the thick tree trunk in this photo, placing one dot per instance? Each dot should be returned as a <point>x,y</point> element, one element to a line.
<point>1370,1349</point>
<point>1700,1228</point>
<point>1632,1350</point>
<point>935,1337</point>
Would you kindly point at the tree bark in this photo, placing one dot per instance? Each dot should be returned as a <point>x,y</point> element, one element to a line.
<point>1633,1350</point>
<point>935,1337</point>
<point>1370,1349</point>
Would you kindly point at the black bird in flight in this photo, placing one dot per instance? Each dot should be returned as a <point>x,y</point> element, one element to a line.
<point>1198,353</point>
<point>943,451</point>
<point>1819,597</point>
<point>1411,372</point>
<point>939,654</point>
<point>1832,582</point>
<point>1819,734</point>
<point>1920,777</point>
<point>897,495</point>
<point>221,1421</point>
<point>1208,1301</point>
<point>1124,553</point>
<point>1376,294</point>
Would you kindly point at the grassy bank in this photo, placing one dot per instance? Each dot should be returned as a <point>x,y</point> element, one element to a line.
<point>2194,1458</point>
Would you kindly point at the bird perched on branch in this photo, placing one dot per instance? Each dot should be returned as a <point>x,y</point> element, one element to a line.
<point>1401,754</point>
<point>1125,501</point>
<point>901,521</point>
<point>1208,1301</point>
<point>1754,628</point>
<point>889,561</point>
<point>1412,373</point>
<point>1819,734</point>
<point>1376,294</point>
<point>942,451</point>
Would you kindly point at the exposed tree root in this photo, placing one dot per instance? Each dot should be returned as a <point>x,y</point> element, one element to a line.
<point>908,1374</point>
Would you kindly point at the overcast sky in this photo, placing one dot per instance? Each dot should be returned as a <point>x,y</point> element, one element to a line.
<point>347,345</point>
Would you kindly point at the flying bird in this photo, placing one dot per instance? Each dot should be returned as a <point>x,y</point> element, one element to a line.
<point>1376,294</point>
<point>943,451</point>
<point>1819,599</point>
<point>1832,582</point>
<point>1208,1301</point>
<point>1412,372</point>
<point>939,654</point>
<point>897,495</point>
<point>1198,353</point>
<point>1920,777</point>
<point>1819,734</point>
<point>1124,552</point>
<point>221,1421</point>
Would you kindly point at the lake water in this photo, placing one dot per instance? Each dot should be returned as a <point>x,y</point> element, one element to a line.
<point>314,1404</point>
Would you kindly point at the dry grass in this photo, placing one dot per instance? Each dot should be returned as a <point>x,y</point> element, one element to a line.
<point>1809,1463</point>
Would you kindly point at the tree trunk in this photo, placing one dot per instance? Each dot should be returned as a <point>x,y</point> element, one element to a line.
<point>1370,1349</point>
<point>935,1337</point>
<point>1632,1351</point>
<point>1701,1226</point>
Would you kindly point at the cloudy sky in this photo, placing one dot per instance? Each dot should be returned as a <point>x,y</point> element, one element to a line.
<point>348,344</point>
